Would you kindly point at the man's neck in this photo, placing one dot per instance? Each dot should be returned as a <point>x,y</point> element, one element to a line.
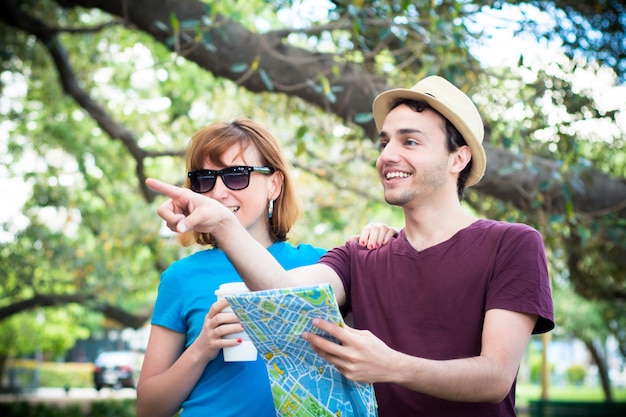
<point>432,225</point>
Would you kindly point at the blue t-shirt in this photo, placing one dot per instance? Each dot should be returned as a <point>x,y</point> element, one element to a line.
<point>186,292</point>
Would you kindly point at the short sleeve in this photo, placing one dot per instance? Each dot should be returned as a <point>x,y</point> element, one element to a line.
<point>168,306</point>
<point>520,280</point>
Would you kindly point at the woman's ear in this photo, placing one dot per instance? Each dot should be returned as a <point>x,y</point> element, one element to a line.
<point>276,185</point>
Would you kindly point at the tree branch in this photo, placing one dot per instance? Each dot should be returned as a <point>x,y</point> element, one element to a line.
<point>48,37</point>
<point>535,183</point>
<point>55,300</point>
<point>530,183</point>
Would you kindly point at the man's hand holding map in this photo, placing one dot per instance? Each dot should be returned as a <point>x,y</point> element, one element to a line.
<point>303,384</point>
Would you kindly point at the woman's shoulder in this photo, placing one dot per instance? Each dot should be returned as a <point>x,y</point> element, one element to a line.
<point>298,247</point>
<point>199,257</point>
<point>303,252</point>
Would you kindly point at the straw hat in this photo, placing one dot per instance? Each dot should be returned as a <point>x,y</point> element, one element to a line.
<point>453,104</point>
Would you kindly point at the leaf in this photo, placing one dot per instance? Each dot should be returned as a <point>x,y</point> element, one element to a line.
<point>162,26</point>
<point>556,218</point>
<point>507,170</point>
<point>239,67</point>
<point>325,84</point>
<point>266,80</point>
<point>544,186</point>
<point>363,118</point>
<point>207,42</point>
<point>189,24</point>
<point>301,131</point>
<point>175,23</point>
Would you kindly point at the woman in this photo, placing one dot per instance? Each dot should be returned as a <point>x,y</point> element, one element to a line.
<point>239,164</point>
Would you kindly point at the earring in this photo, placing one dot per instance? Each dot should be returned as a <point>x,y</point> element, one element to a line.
<point>270,208</point>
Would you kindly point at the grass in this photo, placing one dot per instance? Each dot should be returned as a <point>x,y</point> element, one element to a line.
<point>77,375</point>
<point>52,374</point>
<point>527,392</point>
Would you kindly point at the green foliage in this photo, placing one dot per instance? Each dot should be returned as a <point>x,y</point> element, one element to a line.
<point>535,363</point>
<point>92,232</point>
<point>578,249</point>
<point>50,330</point>
<point>580,317</point>
<point>595,30</point>
<point>114,408</point>
<point>527,392</point>
<point>576,374</point>
<point>66,377</point>
<point>96,408</point>
<point>534,359</point>
<point>26,409</point>
<point>51,374</point>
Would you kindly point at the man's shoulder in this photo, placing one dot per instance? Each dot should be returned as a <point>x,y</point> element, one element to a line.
<point>356,251</point>
<point>499,226</point>
<point>507,233</point>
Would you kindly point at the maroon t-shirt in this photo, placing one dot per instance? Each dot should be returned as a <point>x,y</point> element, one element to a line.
<point>432,303</point>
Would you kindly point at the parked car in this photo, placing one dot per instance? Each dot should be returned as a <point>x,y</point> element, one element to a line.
<point>117,369</point>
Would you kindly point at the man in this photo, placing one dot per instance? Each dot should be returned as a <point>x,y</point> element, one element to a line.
<point>442,313</point>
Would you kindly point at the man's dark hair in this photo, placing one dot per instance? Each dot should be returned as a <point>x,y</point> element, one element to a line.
<point>454,139</point>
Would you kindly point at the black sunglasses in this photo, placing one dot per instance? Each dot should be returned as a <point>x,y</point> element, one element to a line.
<point>235,178</point>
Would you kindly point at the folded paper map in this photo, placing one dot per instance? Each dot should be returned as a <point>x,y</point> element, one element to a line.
<point>303,383</point>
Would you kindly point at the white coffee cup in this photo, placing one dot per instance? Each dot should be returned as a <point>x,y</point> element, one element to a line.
<point>245,351</point>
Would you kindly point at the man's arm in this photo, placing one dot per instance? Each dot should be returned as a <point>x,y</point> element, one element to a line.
<point>187,210</point>
<point>363,357</point>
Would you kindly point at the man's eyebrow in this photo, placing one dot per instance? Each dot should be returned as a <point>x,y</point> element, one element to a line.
<point>405,131</point>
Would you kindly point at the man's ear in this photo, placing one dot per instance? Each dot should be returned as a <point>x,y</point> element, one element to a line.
<point>462,157</point>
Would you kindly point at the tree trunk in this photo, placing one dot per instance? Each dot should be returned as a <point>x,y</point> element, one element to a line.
<point>603,372</point>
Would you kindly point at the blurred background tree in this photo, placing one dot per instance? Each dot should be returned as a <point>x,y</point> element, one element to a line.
<point>97,95</point>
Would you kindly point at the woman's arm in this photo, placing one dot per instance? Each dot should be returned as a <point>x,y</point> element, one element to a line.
<point>162,387</point>
<point>170,372</point>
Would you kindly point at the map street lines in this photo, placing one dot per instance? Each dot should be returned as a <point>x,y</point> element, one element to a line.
<point>303,384</point>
